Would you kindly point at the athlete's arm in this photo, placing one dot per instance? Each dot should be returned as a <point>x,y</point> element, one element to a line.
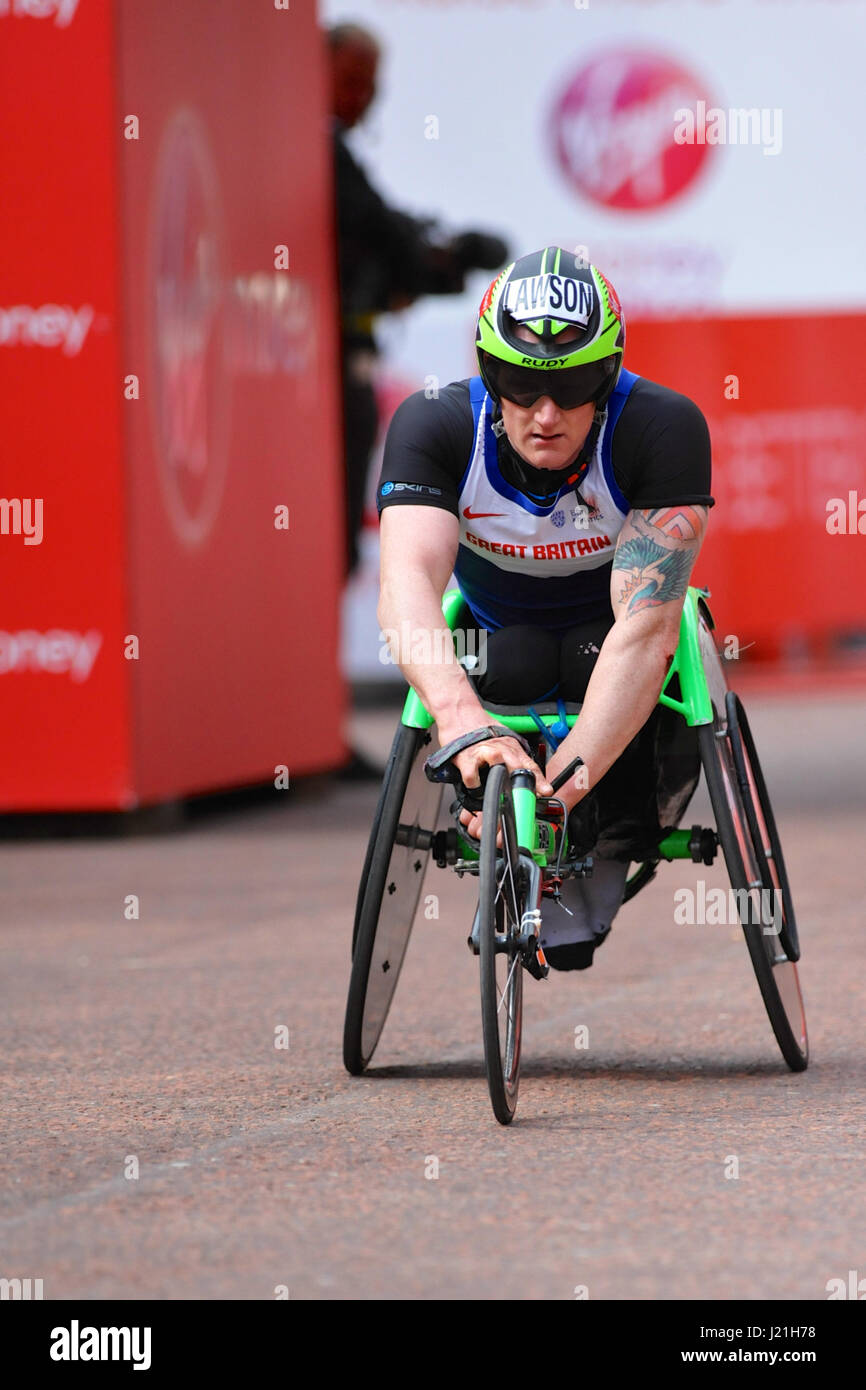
<point>427,445</point>
<point>418,547</point>
<point>653,560</point>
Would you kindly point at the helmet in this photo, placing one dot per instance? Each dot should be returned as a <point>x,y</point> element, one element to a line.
<point>550,291</point>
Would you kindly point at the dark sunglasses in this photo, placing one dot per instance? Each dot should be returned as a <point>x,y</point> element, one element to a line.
<point>568,387</point>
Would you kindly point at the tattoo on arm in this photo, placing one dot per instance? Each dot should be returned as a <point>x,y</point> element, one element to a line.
<point>679,523</point>
<point>654,575</point>
<point>655,554</point>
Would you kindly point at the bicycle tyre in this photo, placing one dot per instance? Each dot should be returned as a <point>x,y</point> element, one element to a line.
<point>501,904</point>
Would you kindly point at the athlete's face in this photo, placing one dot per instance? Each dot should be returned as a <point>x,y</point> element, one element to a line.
<point>543,434</point>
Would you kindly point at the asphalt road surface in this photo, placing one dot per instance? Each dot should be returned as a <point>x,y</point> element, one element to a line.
<point>160,1141</point>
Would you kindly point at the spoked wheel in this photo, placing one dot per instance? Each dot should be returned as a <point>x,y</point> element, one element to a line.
<point>753,854</point>
<point>391,883</point>
<point>501,904</point>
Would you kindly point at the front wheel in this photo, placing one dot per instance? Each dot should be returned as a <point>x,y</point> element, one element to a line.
<point>501,905</point>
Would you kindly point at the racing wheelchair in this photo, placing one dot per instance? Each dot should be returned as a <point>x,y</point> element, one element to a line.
<point>523,856</point>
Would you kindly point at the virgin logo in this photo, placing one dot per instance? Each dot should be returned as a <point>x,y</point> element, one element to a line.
<point>613,129</point>
<point>208,325</point>
<point>190,397</point>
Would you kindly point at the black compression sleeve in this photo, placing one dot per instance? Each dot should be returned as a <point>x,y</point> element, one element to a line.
<point>427,449</point>
<point>661,449</point>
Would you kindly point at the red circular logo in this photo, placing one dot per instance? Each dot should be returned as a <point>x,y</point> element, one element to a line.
<point>191,381</point>
<point>613,127</point>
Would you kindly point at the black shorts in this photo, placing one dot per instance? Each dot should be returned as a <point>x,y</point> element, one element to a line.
<point>525,665</point>
<point>645,793</point>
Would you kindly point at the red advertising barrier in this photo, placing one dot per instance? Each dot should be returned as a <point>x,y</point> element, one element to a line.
<point>784,401</point>
<point>170,527</point>
<point>64,688</point>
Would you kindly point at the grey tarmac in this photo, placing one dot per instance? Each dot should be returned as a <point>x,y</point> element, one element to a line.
<point>158,1144</point>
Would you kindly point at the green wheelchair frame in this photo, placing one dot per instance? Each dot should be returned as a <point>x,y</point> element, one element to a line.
<point>404,836</point>
<point>694,705</point>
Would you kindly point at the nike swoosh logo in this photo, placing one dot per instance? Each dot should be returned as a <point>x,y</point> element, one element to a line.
<point>473,516</point>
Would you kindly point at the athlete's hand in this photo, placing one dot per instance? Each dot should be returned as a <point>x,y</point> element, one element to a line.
<point>494,750</point>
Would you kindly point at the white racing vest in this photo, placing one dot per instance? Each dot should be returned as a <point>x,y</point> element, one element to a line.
<point>547,564</point>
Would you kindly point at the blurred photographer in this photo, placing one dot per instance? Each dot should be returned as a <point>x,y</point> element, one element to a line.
<point>386,260</point>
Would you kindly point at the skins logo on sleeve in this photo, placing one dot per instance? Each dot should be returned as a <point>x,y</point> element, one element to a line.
<point>388,488</point>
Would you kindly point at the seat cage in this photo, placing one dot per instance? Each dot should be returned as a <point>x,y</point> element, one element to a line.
<point>685,676</point>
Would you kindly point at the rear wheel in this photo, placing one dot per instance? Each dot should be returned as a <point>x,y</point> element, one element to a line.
<point>501,905</point>
<point>753,855</point>
<point>391,882</point>
<point>643,874</point>
<point>762,825</point>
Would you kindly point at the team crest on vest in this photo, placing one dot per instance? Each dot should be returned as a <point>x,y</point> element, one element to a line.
<point>584,513</point>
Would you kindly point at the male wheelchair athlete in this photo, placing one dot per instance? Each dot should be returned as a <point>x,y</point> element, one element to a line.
<point>524,855</point>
